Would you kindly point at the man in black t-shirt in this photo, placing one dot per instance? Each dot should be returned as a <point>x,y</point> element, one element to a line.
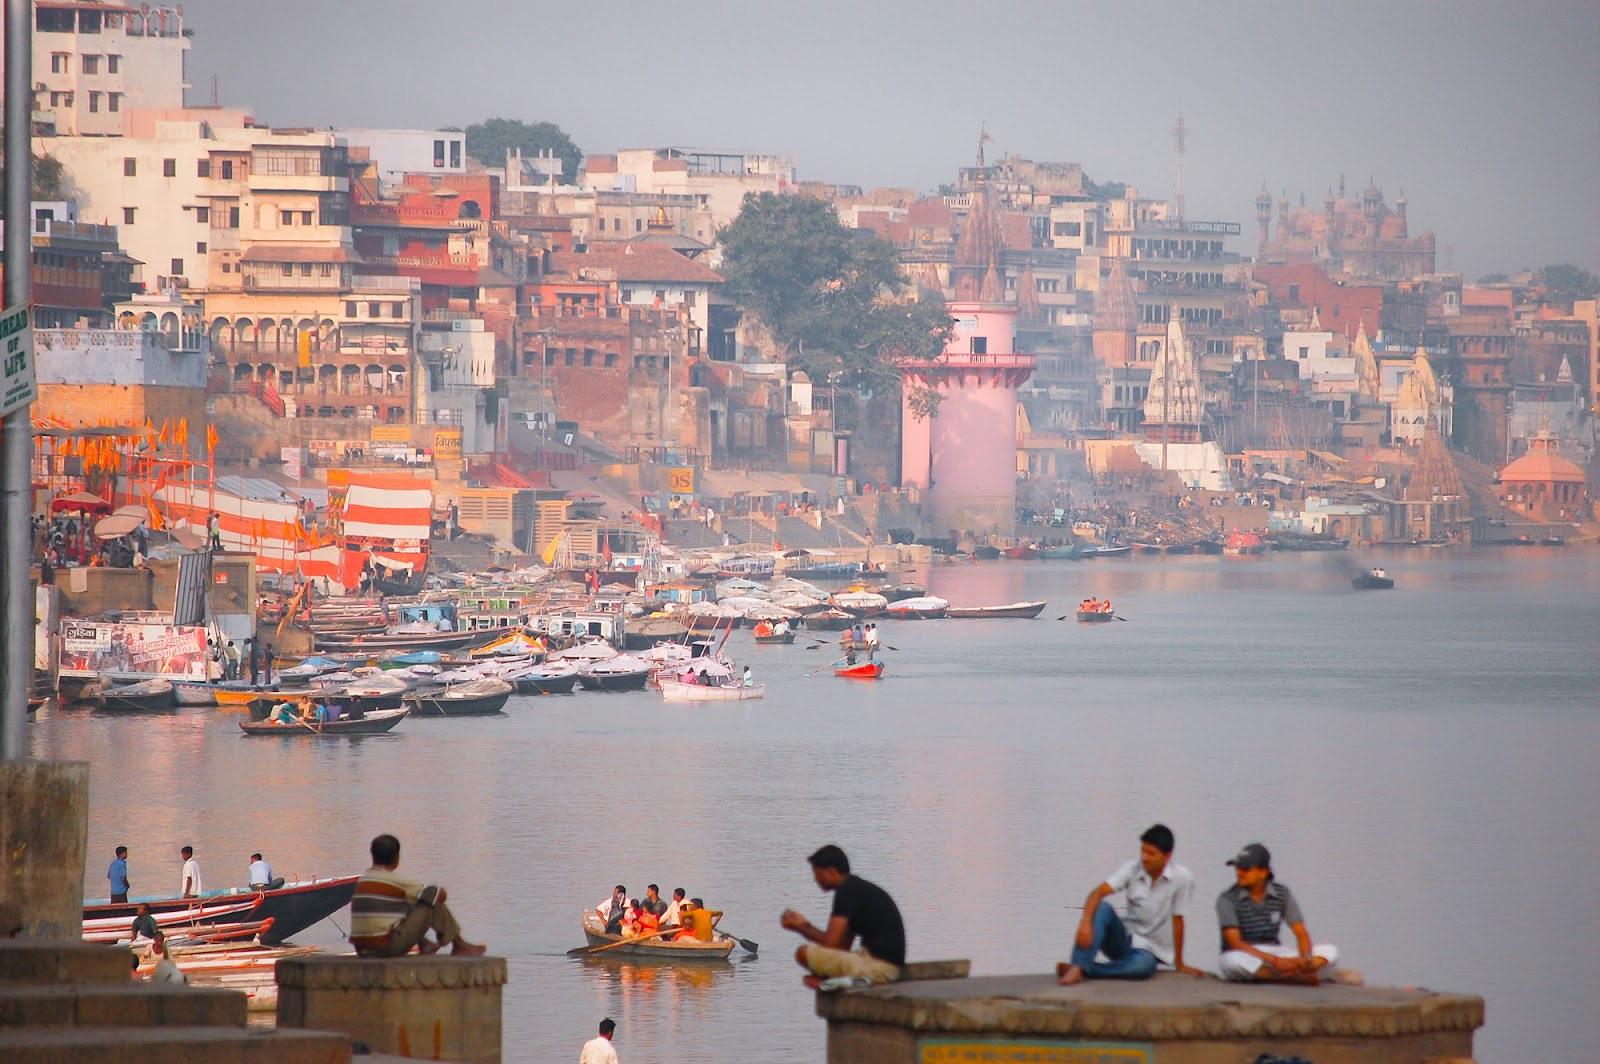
<point>861,911</point>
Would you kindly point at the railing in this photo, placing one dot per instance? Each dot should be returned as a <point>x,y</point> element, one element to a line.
<point>268,395</point>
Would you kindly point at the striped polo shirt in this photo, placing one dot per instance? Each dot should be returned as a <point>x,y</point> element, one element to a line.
<point>1258,923</point>
<point>382,899</point>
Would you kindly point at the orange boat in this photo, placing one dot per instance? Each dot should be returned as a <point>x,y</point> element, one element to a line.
<point>240,698</point>
<point>866,670</point>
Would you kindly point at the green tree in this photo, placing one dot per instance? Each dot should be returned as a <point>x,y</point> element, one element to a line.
<point>836,299</point>
<point>49,179</point>
<point>1105,190</point>
<point>1494,278</point>
<point>1565,282</point>
<point>488,141</point>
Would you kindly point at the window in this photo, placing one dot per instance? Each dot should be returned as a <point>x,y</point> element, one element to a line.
<point>455,154</point>
<point>602,221</point>
<point>638,225</point>
<point>60,63</point>
<point>305,217</point>
<point>227,268</point>
<point>233,217</point>
<point>349,308</point>
<point>202,168</point>
<point>980,345</point>
<point>94,103</point>
<point>611,359</point>
<point>399,310</point>
<point>305,269</point>
<point>177,268</point>
<point>326,269</point>
<point>438,153</point>
<point>66,99</point>
<point>91,64</point>
<point>55,99</point>
<point>286,217</point>
<point>113,64</point>
<point>227,170</point>
<point>202,215</point>
<point>288,269</point>
<point>114,101</point>
<point>1305,353</point>
<point>127,215</point>
<point>200,247</point>
<point>169,168</point>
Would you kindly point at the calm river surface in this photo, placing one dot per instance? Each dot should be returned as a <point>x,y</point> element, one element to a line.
<point>1422,763</point>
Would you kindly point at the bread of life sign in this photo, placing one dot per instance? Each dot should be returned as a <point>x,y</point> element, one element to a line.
<point>18,387</point>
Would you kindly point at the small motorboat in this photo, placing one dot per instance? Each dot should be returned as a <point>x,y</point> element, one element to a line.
<point>673,690</point>
<point>1022,552</point>
<point>926,608</point>
<point>146,696</point>
<point>1373,580</point>
<point>858,603</point>
<point>377,721</point>
<point>897,592</point>
<point>621,673</point>
<point>861,670</point>
<point>1064,551</point>
<point>547,678</point>
<point>473,698</point>
<point>659,949</point>
<point>1106,552</point>
<point>1022,610</point>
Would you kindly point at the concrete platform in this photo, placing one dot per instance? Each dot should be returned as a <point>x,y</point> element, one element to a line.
<point>167,1045</point>
<point>119,1004</point>
<point>1174,1018</point>
<point>38,960</point>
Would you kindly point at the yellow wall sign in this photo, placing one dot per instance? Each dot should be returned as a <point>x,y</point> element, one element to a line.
<point>447,443</point>
<point>391,434</point>
<point>680,481</point>
<point>953,1051</point>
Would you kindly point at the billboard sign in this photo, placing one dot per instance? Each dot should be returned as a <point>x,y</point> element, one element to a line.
<point>89,648</point>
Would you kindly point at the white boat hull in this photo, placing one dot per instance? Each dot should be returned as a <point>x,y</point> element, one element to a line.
<point>673,691</point>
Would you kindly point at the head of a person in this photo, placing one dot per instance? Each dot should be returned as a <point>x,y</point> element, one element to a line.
<point>1252,865</point>
<point>652,892</point>
<point>144,908</point>
<point>697,903</point>
<point>187,851</point>
<point>686,906</point>
<point>678,895</point>
<point>636,906</point>
<point>122,851</point>
<point>829,867</point>
<point>385,851</point>
<point>619,891</point>
<point>1155,846</point>
<point>254,858</point>
<point>608,1027</point>
<point>158,941</point>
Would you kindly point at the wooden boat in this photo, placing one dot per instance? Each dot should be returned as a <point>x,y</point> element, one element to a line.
<point>292,907</point>
<point>830,620</point>
<point>1096,616</point>
<point>1025,610</point>
<point>1244,544</point>
<point>677,691</point>
<point>658,949</point>
<point>621,673</point>
<point>647,632</point>
<point>859,602</point>
<point>1022,552</point>
<point>146,696</point>
<point>365,724</point>
<point>986,553</point>
<point>76,688</point>
<point>549,678</point>
<point>927,608</point>
<point>1373,580</point>
<point>1063,551</point>
<point>240,697</point>
<point>473,698</point>
<point>776,637</point>
<point>1106,552</point>
<point>194,693</point>
<point>395,640</point>
<point>861,670</point>
<point>114,922</point>
<point>902,591</point>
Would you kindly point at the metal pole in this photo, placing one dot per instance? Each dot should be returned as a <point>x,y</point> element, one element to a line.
<point>16,437</point>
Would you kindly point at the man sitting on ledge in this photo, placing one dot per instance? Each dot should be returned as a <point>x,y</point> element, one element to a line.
<point>1250,914</point>
<point>860,910</point>
<point>390,913</point>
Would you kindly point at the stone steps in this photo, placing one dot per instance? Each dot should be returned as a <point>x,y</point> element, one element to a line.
<point>171,1045</point>
<point>38,960</point>
<point>129,1003</point>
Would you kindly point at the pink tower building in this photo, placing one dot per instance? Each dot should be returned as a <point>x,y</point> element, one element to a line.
<point>964,459</point>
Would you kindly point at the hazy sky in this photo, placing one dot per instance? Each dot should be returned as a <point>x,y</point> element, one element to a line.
<point>1488,115</point>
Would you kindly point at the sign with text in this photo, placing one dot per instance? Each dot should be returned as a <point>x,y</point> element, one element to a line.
<point>89,648</point>
<point>391,434</point>
<point>680,480</point>
<point>19,384</point>
<point>1029,1051</point>
<point>447,443</point>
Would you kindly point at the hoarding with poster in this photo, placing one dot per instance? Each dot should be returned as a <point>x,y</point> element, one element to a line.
<point>447,444</point>
<point>89,648</point>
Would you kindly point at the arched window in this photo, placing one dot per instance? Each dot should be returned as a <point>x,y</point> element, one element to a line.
<point>470,209</point>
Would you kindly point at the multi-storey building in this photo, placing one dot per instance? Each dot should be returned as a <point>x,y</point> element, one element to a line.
<point>1365,240</point>
<point>79,271</point>
<point>715,181</point>
<point>95,61</point>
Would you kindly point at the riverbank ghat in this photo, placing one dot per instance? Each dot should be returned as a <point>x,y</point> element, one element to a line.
<point>1173,1019</point>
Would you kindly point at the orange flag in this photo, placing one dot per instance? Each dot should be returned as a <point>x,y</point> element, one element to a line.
<point>166,428</point>
<point>156,521</point>
<point>211,437</point>
<point>181,435</point>
<point>286,533</point>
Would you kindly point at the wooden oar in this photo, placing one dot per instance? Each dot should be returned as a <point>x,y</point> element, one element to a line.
<point>830,665</point>
<point>744,943</point>
<point>584,950</point>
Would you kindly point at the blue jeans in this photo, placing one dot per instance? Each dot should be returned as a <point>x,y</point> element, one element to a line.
<point>1111,938</point>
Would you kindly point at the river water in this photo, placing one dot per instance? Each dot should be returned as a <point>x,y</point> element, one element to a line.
<point>1422,763</point>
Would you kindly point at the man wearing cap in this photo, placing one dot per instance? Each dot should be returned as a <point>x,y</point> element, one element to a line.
<point>1251,913</point>
<point>1158,891</point>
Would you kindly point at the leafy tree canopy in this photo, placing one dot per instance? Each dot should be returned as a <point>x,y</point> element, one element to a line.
<point>488,141</point>
<point>835,298</point>
<point>49,176</point>
<point>1494,278</point>
<point>1104,190</point>
<point>1565,282</point>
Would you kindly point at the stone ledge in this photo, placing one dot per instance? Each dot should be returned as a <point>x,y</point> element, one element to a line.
<point>42,960</point>
<point>168,1045</point>
<point>390,973</point>
<point>127,1004</point>
<point>921,971</point>
<point>1168,1007</point>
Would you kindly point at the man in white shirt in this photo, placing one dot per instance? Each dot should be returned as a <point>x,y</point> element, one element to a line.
<point>599,1050</point>
<point>670,918</point>
<point>1158,893</point>
<point>610,911</point>
<point>260,872</point>
<point>190,887</point>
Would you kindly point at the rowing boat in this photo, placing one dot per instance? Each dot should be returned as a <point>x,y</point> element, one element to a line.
<point>658,949</point>
<point>865,670</point>
<point>366,724</point>
<point>1023,610</point>
<point>473,698</point>
<point>678,691</point>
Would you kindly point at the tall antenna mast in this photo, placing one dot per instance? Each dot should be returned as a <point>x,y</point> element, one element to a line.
<point>1180,140</point>
<point>213,90</point>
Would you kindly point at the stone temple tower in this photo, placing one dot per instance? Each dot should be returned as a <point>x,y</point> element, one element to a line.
<point>964,458</point>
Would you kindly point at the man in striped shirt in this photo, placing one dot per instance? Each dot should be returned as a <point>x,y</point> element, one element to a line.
<point>1250,914</point>
<point>390,913</point>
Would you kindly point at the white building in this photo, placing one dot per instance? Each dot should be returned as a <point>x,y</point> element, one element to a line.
<point>1320,355</point>
<point>397,152</point>
<point>718,181</point>
<point>95,61</point>
<point>456,368</point>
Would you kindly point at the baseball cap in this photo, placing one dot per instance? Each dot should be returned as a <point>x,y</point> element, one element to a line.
<point>1254,855</point>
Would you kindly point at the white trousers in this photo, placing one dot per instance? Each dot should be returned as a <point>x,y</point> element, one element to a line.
<point>1241,967</point>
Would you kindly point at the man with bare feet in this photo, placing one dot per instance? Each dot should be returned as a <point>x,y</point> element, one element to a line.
<point>390,913</point>
<point>1158,891</point>
<point>1251,913</point>
<point>860,910</point>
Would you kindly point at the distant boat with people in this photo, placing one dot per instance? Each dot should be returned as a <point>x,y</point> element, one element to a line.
<point>1374,579</point>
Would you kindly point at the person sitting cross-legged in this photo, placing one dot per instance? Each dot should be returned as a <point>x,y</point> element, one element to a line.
<point>390,913</point>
